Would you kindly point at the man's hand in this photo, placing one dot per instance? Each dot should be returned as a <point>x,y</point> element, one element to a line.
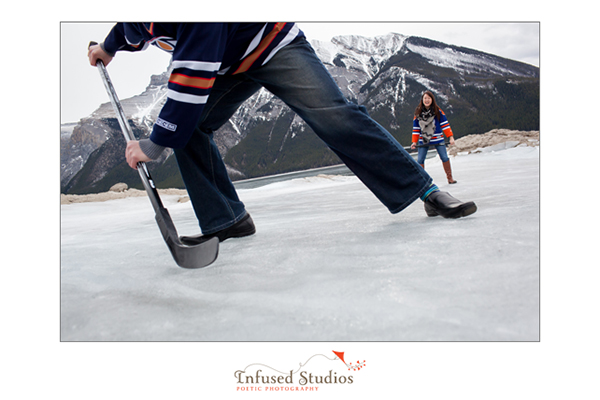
<point>452,140</point>
<point>134,154</point>
<point>96,53</point>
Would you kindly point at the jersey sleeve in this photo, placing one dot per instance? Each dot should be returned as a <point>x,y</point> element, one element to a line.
<point>120,40</point>
<point>445,125</point>
<point>416,132</point>
<point>197,58</point>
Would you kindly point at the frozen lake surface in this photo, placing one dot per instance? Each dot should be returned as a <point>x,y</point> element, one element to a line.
<point>328,263</point>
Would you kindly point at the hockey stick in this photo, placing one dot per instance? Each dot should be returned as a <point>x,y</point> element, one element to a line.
<point>434,145</point>
<point>196,256</point>
<point>411,150</point>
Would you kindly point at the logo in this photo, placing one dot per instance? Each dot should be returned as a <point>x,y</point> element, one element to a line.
<point>166,124</point>
<point>164,43</point>
<point>323,371</point>
<point>355,367</point>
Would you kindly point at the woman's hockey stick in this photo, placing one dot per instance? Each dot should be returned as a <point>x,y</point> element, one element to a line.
<point>434,145</point>
<point>196,256</point>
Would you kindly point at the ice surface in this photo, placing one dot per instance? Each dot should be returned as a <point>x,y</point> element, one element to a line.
<point>328,263</point>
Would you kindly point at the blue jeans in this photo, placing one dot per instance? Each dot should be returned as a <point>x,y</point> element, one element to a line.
<point>297,76</point>
<point>422,154</point>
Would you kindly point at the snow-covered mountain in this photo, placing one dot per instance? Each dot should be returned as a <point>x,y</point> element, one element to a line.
<point>386,74</point>
<point>78,141</point>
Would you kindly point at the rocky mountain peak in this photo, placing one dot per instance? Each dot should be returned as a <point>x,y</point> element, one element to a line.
<point>386,74</point>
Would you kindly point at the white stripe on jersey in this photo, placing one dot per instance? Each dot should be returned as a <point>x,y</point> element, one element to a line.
<point>255,42</point>
<point>186,98</point>
<point>286,40</point>
<point>197,65</point>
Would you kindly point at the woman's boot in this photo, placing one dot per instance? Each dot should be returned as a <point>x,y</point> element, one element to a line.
<point>448,170</point>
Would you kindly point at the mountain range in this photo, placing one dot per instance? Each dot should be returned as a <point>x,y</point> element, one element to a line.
<point>386,74</point>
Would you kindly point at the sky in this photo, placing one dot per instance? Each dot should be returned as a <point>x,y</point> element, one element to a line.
<point>82,90</point>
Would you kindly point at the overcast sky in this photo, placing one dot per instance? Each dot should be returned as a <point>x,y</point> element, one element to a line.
<point>82,90</point>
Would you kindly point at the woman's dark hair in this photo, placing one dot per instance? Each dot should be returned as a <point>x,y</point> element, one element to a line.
<point>434,107</point>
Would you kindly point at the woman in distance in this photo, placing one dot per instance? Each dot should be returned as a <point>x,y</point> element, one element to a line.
<point>430,125</point>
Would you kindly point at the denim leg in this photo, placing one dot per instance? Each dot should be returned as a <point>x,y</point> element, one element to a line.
<point>211,192</point>
<point>297,76</point>
<point>422,154</point>
<point>442,152</point>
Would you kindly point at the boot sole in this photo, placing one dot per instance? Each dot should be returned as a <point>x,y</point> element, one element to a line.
<point>190,241</point>
<point>246,228</point>
<point>461,211</point>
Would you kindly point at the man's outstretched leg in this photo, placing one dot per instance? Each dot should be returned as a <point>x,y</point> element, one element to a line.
<point>298,77</point>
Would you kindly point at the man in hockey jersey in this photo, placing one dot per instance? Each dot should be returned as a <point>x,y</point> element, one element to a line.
<point>216,67</point>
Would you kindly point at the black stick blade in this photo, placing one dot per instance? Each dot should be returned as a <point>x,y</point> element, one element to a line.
<point>191,257</point>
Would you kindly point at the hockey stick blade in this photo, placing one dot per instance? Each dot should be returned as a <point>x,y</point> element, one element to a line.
<point>196,256</point>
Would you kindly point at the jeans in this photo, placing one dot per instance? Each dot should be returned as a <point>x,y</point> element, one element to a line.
<point>297,76</point>
<point>441,149</point>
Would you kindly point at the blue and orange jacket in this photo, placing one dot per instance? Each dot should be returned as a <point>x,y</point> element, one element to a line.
<point>200,53</point>
<point>442,127</point>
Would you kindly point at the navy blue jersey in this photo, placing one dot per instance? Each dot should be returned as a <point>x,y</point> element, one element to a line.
<point>201,51</point>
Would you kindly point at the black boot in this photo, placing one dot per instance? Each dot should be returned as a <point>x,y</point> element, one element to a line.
<point>244,227</point>
<point>442,203</point>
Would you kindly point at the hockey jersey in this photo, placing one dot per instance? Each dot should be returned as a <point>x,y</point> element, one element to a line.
<point>442,127</point>
<point>201,51</point>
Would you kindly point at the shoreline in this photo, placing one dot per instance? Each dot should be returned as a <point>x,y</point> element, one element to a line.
<point>122,194</point>
<point>465,145</point>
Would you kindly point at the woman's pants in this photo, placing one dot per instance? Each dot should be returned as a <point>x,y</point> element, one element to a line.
<point>422,153</point>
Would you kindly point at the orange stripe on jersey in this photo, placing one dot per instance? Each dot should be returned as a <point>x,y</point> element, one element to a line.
<point>199,83</point>
<point>248,61</point>
<point>150,29</point>
<point>164,45</point>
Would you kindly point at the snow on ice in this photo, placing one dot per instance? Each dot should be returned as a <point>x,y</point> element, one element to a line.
<point>328,263</point>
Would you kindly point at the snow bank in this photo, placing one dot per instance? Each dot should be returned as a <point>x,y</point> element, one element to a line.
<point>496,139</point>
